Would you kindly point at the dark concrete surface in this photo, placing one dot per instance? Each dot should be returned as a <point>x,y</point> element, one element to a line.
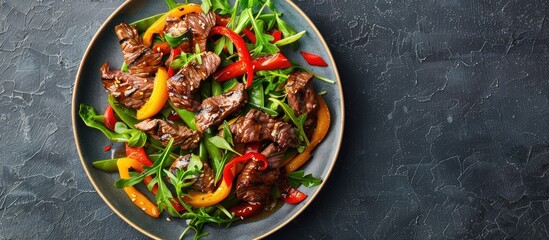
<point>446,131</point>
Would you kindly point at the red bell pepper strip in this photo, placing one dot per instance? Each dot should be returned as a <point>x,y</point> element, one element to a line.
<point>228,175</point>
<point>250,35</point>
<point>293,196</point>
<point>245,210</point>
<point>241,48</point>
<point>109,120</point>
<point>277,35</point>
<point>175,53</point>
<point>268,62</point>
<point>139,155</point>
<point>107,148</point>
<point>313,59</point>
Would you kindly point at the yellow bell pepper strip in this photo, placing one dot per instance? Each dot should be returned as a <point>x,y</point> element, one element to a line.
<point>158,25</point>
<point>158,97</point>
<point>140,200</point>
<point>322,127</point>
<point>212,198</point>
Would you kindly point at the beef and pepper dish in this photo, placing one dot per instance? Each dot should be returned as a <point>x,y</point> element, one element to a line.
<point>214,118</point>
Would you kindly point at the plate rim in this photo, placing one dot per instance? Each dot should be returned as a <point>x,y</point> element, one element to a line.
<point>144,231</point>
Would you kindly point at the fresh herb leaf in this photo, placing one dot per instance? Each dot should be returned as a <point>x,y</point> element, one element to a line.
<point>223,144</point>
<point>252,3</point>
<point>324,79</point>
<point>145,23</point>
<point>286,30</point>
<point>217,159</point>
<point>124,67</point>
<point>222,5</point>
<point>186,58</point>
<point>263,43</point>
<point>290,39</point>
<point>315,75</point>
<point>164,196</point>
<point>171,4</point>
<point>297,178</point>
<point>138,138</point>
<point>206,5</point>
<point>185,177</point>
<point>174,41</point>
<point>227,133</point>
<point>264,109</point>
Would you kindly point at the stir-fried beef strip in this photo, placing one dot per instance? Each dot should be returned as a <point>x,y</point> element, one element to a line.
<point>215,109</point>
<point>254,185</point>
<point>274,154</point>
<point>142,61</point>
<point>204,182</point>
<point>185,83</point>
<point>258,126</point>
<point>199,23</point>
<point>302,97</point>
<point>163,131</point>
<point>128,89</point>
<point>177,27</point>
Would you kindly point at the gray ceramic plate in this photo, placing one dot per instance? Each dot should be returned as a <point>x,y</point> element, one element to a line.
<point>90,142</point>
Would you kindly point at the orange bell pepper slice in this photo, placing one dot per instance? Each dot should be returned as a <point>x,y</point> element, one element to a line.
<point>158,98</point>
<point>158,25</point>
<point>140,200</point>
<point>322,127</point>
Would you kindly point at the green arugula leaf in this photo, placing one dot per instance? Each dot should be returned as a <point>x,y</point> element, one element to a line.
<point>174,41</point>
<point>286,30</point>
<point>124,68</point>
<point>137,138</point>
<point>264,109</point>
<point>145,23</point>
<point>290,39</point>
<point>206,5</point>
<point>171,4</point>
<point>185,177</point>
<point>185,58</point>
<point>134,138</point>
<point>223,144</point>
<point>297,178</point>
<point>222,5</point>
<point>263,43</point>
<point>227,133</point>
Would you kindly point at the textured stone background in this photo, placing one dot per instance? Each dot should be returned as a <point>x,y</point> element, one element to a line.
<point>446,132</point>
